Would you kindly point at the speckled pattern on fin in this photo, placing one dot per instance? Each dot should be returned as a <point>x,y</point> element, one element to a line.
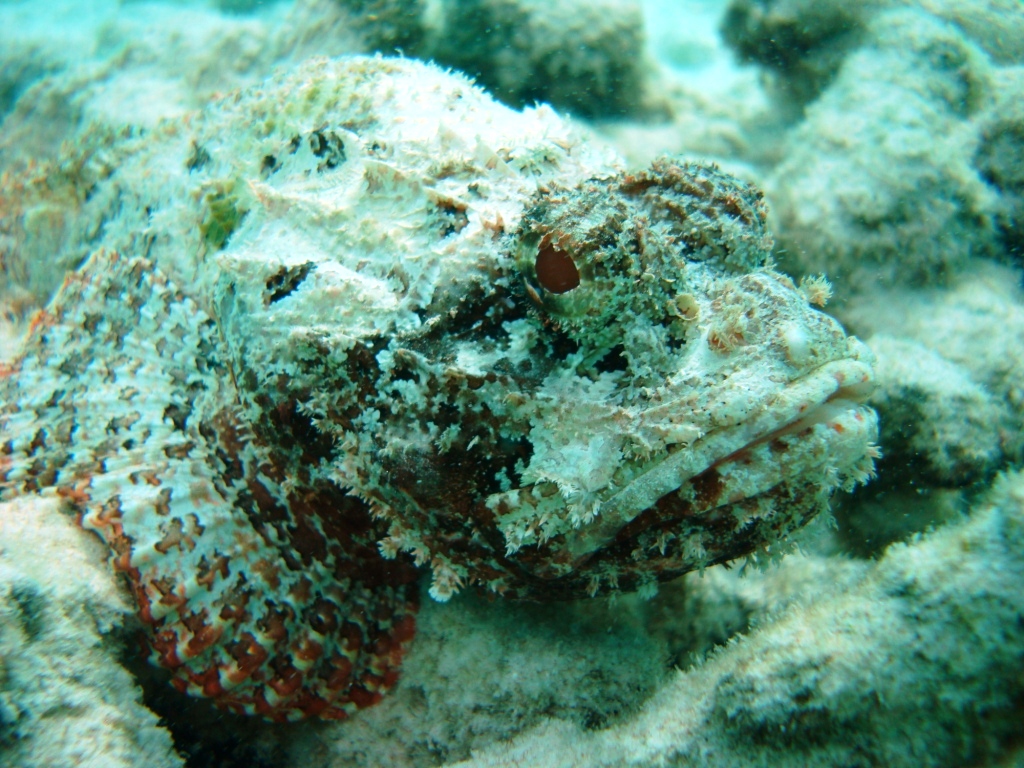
<point>124,407</point>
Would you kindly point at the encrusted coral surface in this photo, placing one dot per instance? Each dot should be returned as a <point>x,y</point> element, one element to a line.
<point>361,317</point>
<point>585,56</point>
<point>64,697</point>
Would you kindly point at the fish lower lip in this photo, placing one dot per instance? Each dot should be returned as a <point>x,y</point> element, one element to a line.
<point>831,395</point>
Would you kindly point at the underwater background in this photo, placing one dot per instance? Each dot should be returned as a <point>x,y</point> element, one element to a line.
<point>888,138</point>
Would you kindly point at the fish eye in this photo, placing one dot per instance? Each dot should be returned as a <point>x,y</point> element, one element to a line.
<point>556,271</point>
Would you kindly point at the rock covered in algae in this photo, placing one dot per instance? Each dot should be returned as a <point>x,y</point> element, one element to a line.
<point>64,697</point>
<point>909,126</point>
<point>802,43</point>
<point>586,56</point>
<point>885,159</point>
<point>949,384</point>
<point>361,317</point>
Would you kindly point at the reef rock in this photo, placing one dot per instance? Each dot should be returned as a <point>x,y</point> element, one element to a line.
<point>883,161</point>
<point>361,317</point>
<point>65,698</point>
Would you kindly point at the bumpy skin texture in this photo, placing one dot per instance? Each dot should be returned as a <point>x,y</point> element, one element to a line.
<point>320,333</point>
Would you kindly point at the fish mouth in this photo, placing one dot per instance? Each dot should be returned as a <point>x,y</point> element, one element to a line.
<point>814,431</point>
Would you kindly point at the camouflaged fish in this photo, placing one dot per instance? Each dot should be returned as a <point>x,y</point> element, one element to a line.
<point>363,318</point>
